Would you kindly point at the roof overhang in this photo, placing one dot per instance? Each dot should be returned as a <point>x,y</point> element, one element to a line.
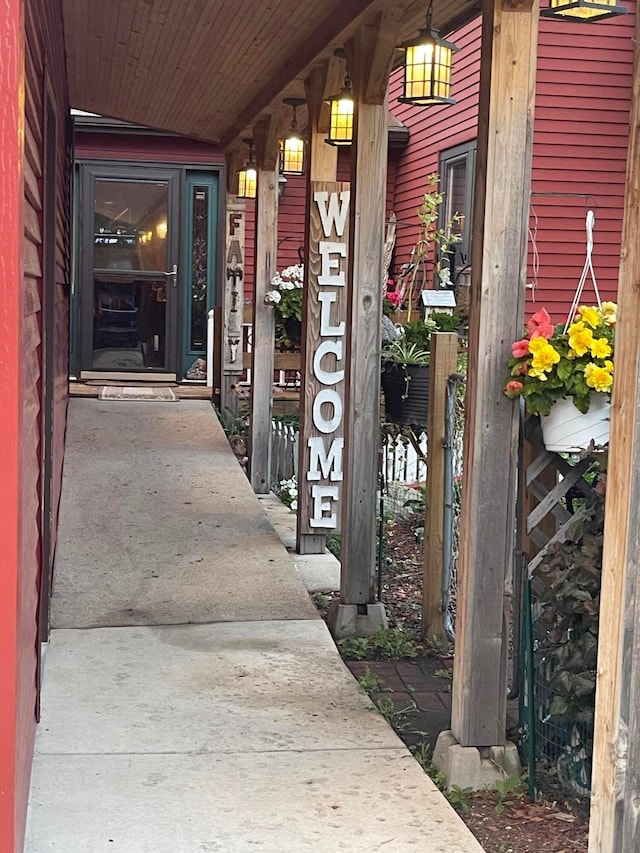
<point>211,69</point>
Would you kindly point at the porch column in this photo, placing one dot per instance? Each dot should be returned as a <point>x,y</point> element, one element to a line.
<point>322,165</point>
<point>501,215</point>
<point>262,350</point>
<point>615,781</point>
<point>369,56</point>
<point>230,351</point>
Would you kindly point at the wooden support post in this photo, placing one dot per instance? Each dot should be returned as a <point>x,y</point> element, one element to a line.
<point>501,215</point>
<point>369,55</point>
<point>262,351</point>
<point>444,355</point>
<point>615,785</point>
<point>322,165</point>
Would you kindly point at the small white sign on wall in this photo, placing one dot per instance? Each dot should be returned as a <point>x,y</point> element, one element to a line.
<point>439,300</point>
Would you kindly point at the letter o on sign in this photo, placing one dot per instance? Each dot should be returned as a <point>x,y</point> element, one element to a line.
<point>321,423</point>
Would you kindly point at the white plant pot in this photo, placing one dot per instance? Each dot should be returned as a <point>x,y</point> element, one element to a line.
<point>566,430</point>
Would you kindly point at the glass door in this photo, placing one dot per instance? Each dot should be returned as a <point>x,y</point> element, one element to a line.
<point>129,271</point>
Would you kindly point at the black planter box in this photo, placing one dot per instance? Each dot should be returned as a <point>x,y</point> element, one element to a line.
<point>406,393</point>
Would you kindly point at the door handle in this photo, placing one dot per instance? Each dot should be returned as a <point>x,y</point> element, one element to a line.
<point>173,273</point>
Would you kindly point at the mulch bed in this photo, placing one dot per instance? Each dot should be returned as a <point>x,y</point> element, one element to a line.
<point>525,826</point>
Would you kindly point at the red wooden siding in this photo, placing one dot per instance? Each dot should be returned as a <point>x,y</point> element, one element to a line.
<point>579,155</point>
<point>433,130</point>
<point>11,191</point>
<point>22,344</point>
<point>291,217</point>
<point>583,91</point>
<point>145,147</point>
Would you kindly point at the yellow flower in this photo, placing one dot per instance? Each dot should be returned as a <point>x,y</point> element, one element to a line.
<point>600,348</point>
<point>544,357</point>
<point>580,338</point>
<point>598,378</point>
<point>609,312</point>
<point>539,374</point>
<point>589,316</point>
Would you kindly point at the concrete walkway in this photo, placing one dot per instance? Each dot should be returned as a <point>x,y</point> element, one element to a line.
<point>193,700</point>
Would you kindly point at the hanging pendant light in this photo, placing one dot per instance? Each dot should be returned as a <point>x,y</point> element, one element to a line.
<point>427,67</point>
<point>341,121</point>
<point>292,146</point>
<point>248,175</point>
<point>583,10</point>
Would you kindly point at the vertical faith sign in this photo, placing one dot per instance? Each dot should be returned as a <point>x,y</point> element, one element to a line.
<point>324,354</point>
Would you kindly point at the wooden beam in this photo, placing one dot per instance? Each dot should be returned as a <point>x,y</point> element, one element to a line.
<point>293,64</point>
<point>234,160</point>
<point>366,269</point>
<point>377,45</point>
<point>615,789</point>
<point>262,352</point>
<point>444,355</point>
<point>324,80</point>
<point>501,215</point>
<point>266,134</point>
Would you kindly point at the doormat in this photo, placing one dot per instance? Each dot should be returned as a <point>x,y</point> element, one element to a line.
<point>134,395</point>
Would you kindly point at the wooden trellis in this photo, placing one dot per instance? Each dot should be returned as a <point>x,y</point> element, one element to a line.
<point>554,484</point>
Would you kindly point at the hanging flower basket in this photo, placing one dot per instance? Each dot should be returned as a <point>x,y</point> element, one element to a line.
<point>566,430</point>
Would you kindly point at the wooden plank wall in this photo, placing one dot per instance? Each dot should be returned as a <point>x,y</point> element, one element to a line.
<point>433,130</point>
<point>583,90</point>
<point>44,46</point>
<point>11,188</point>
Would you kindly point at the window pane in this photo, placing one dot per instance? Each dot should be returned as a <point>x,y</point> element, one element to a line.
<point>455,193</point>
<point>199,267</point>
<point>129,323</point>
<point>130,225</point>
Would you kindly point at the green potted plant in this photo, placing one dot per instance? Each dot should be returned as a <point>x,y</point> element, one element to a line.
<point>565,374</point>
<point>405,369</point>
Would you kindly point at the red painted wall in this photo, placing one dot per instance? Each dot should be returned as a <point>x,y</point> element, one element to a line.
<point>581,130</point>
<point>579,154</point>
<point>291,217</point>
<point>432,130</point>
<point>28,44</point>
<point>145,147</point>
<point>11,191</point>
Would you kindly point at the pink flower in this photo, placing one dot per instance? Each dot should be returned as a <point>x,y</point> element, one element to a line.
<point>514,386</point>
<point>540,325</point>
<point>521,369</point>
<point>520,348</point>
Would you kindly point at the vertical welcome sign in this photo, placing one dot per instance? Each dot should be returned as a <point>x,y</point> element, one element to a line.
<point>322,438</point>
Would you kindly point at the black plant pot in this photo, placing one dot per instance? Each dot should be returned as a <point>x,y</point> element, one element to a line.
<point>293,328</point>
<point>406,393</point>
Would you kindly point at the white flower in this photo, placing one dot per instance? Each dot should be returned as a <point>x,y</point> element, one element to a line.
<point>294,506</point>
<point>273,297</point>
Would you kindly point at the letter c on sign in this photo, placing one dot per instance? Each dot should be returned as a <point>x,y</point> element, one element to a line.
<point>324,376</point>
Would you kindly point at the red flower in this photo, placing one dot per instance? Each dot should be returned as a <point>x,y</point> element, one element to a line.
<point>540,325</point>
<point>520,348</point>
<point>514,386</point>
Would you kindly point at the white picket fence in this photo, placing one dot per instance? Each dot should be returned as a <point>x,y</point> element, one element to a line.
<point>400,460</point>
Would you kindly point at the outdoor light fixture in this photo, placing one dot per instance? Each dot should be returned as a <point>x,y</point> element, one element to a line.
<point>427,68</point>
<point>583,10</point>
<point>292,146</point>
<point>341,123</point>
<point>248,176</point>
